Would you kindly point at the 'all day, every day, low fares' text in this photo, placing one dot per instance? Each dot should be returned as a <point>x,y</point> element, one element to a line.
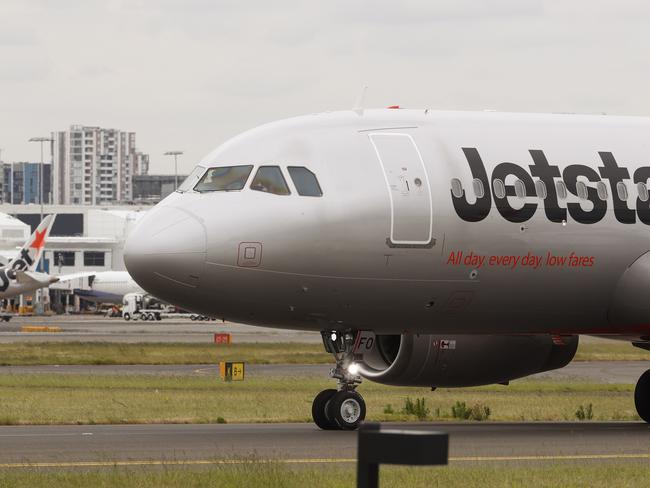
<point>512,261</point>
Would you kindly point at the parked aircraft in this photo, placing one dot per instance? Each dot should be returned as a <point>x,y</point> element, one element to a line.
<point>108,287</point>
<point>438,249</point>
<point>20,275</point>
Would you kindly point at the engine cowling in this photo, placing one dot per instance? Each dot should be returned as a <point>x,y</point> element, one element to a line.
<point>459,360</point>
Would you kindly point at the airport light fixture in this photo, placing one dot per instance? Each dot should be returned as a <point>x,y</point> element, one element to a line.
<point>175,154</point>
<point>41,172</point>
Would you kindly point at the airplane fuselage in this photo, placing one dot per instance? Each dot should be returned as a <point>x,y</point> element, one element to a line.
<point>436,222</point>
<point>109,287</point>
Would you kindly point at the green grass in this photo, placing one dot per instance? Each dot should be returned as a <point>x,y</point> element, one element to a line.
<point>593,349</point>
<point>610,475</point>
<point>27,353</point>
<point>87,399</point>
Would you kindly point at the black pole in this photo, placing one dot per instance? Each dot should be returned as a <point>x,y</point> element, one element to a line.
<point>392,446</point>
<point>367,470</point>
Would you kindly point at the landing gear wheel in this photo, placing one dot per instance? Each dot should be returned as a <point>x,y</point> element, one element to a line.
<point>319,407</point>
<point>642,396</point>
<point>343,409</point>
<point>347,409</point>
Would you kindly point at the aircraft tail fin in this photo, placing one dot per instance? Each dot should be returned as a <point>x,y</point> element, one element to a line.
<point>360,102</point>
<point>31,252</point>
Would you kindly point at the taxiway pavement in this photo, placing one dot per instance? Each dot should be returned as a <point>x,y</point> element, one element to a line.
<point>107,445</point>
<point>591,371</point>
<point>96,328</point>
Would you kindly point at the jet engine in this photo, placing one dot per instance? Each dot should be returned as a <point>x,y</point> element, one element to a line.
<point>459,360</point>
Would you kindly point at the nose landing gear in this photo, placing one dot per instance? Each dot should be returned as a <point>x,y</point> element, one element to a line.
<point>343,408</point>
<point>346,409</point>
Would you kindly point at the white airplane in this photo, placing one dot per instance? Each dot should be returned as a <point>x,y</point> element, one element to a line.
<point>19,275</point>
<point>429,248</point>
<point>107,286</point>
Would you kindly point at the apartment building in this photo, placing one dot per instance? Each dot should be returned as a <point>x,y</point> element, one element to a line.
<point>20,182</point>
<point>95,166</point>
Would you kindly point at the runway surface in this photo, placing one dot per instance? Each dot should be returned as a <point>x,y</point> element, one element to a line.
<point>60,446</point>
<point>96,328</point>
<point>591,371</point>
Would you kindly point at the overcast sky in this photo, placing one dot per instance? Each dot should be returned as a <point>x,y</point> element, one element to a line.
<point>190,74</point>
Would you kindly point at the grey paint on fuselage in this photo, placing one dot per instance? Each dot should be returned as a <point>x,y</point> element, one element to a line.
<point>329,262</point>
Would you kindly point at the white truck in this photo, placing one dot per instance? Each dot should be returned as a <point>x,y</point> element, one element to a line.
<point>140,306</point>
<point>146,307</point>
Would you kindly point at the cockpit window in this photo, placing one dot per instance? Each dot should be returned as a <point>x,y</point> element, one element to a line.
<point>191,180</point>
<point>305,181</point>
<point>269,179</point>
<point>227,178</point>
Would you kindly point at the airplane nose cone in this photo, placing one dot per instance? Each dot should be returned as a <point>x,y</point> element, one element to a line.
<point>166,251</point>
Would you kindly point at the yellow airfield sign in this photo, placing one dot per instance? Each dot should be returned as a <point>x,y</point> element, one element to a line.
<point>231,371</point>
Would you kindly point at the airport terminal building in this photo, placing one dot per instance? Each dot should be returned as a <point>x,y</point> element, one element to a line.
<point>83,239</point>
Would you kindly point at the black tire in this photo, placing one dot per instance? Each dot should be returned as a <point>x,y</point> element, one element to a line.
<point>151,316</point>
<point>347,409</point>
<point>642,396</point>
<point>126,316</point>
<point>158,317</point>
<point>319,410</point>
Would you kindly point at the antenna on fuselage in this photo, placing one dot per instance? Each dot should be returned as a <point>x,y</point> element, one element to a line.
<point>358,105</point>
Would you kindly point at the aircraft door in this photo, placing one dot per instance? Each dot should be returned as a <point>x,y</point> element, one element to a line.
<point>408,189</point>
